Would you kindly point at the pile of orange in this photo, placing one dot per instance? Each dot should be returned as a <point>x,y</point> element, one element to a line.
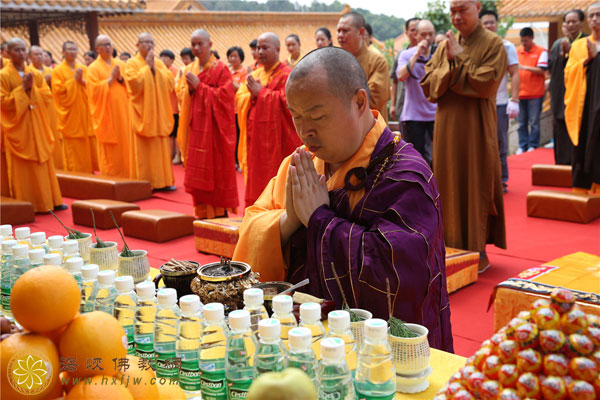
<point>45,301</point>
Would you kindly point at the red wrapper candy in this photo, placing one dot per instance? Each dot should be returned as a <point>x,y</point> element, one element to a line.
<point>596,385</point>
<point>475,381</point>
<point>490,390</point>
<point>463,395</point>
<point>596,357</point>
<point>593,320</point>
<point>491,366</point>
<point>556,364</point>
<point>529,360</point>
<point>512,326</point>
<point>508,375</point>
<point>528,386</point>
<point>440,396</point>
<point>562,300</point>
<point>507,351</point>
<point>465,372</point>
<point>554,388</point>
<point>457,377</point>
<point>496,339</point>
<point>539,303</point>
<point>526,315</point>
<point>594,335</point>
<point>509,394</point>
<point>579,345</point>
<point>547,318</point>
<point>452,389</point>
<point>480,356</point>
<point>487,343</point>
<point>552,340</point>
<point>583,368</point>
<point>581,390</point>
<point>527,335</point>
<point>575,321</point>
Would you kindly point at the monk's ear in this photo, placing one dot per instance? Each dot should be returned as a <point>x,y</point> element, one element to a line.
<point>361,100</point>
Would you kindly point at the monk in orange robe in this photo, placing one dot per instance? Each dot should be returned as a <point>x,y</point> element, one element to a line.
<point>267,133</point>
<point>210,167</point>
<point>36,56</point>
<point>149,84</point>
<point>109,106</point>
<point>184,99</point>
<point>74,119</point>
<point>28,138</point>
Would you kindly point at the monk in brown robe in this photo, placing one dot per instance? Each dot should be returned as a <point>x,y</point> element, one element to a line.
<point>463,77</point>
<point>350,36</point>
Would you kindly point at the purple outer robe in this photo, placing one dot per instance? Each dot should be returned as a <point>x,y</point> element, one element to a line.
<point>395,231</point>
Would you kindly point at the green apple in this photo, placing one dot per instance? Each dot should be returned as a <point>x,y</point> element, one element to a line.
<point>289,384</point>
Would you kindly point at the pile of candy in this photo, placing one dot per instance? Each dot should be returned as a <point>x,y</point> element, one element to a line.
<point>551,352</point>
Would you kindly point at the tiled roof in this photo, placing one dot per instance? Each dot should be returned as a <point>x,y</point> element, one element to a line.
<point>73,5</point>
<point>523,10</point>
<point>172,30</point>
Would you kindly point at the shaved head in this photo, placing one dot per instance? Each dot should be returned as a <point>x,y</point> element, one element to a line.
<point>144,36</point>
<point>268,49</point>
<point>425,24</point>
<point>100,39</point>
<point>342,70</point>
<point>12,43</point>
<point>271,38</point>
<point>35,49</point>
<point>36,56</point>
<point>358,21</point>
<point>201,33</point>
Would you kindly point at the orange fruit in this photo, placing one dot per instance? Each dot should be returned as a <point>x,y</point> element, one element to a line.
<point>139,381</point>
<point>66,382</point>
<point>45,298</point>
<point>56,392</point>
<point>169,390</point>
<point>56,334</point>
<point>92,341</point>
<point>29,365</point>
<point>99,387</point>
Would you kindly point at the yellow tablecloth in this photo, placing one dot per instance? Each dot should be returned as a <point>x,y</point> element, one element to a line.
<point>578,271</point>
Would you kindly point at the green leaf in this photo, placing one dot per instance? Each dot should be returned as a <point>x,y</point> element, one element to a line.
<point>399,329</point>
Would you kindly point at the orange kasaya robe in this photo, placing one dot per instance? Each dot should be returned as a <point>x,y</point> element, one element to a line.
<point>210,166</point>
<point>74,119</point>
<point>184,100</point>
<point>267,133</point>
<point>151,119</point>
<point>28,140</point>
<point>109,106</point>
<point>58,153</point>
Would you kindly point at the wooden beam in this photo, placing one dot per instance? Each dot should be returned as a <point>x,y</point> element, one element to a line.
<point>553,33</point>
<point>34,36</point>
<point>91,24</point>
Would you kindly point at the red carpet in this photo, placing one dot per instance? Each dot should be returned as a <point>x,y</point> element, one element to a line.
<point>531,241</point>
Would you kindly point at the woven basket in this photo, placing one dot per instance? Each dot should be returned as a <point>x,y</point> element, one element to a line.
<point>84,246</point>
<point>137,266</point>
<point>106,257</point>
<point>358,328</point>
<point>411,355</point>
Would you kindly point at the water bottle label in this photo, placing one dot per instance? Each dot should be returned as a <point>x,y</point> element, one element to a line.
<point>238,389</point>
<point>189,376</point>
<point>360,396</point>
<point>167,365</point>
<point>130,341</point>
<point>334,395</point>
<point>6,298</point>
<point>213,385</point>
<point>145,351</point>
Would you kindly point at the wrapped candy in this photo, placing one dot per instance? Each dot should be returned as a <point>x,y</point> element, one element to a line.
<point>528,386</point>
<point>596,357</point>
<point>490,390</point>
<point>594,334</point>
<point>475,381</point>
<point>529,360</point>
<point>581,390</point>
<point>463,395</point>
<point>465,372</point>
<point>556,364</point>
<point>575,321</point>
<point>554,388</point>
<point>562,300</point>
<point>539,303</point>
<point>593,320</point>
<point>596,385</point>
<point>526,315</point>
<point>491,366</point>
<point>440,396</point>
<point>509,394</point>
<point>508,375</point>
<point>579,345</point>
<point>453,388</point>
<point>480,356</point>
<point>496,339</point>
<point>513,325</point>
<point>547,318</point>
<point>583,368</point>
<point>487,343</point>
<point>507,351</point>
<point>456,377</point>
<point>552,340</point>
<point>527,335</point>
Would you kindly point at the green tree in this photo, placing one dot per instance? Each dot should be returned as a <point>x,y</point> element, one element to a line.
<point>437,13</point>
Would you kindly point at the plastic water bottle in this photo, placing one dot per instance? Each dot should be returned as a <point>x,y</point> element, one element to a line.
<point>254,304</point>
<point>70,249</point>
<point>125,308</point>
<point>107,292</point>
<point>241,346</point>
<point>73,266</point>
<point>55,244</point>
<point>375,374</point>
<point>339,326</point>
<point>6,232</point>
<point>188,344</point>
<point>38,241</point>
<point>270,353</point>
<point>145,315</point>
<point>301,354</point>
<point>310,317</point>
<point>283,305</point>
<point>335,378</point>
<point>165,334</point>
<point>212,352</point>
<point>89,287</point>
<point>53,259</point>
<point>36,257</point>
<point>7,267</point>
<point>22,235</point>
<point>21,263</point>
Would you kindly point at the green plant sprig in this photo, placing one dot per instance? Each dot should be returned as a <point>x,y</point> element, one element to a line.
<point>125,252</point>
<point>398,328</point>
<point>99,243</point>
<point>73,234</point>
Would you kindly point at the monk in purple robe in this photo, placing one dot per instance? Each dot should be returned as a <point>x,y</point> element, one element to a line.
<point>355,205</point>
